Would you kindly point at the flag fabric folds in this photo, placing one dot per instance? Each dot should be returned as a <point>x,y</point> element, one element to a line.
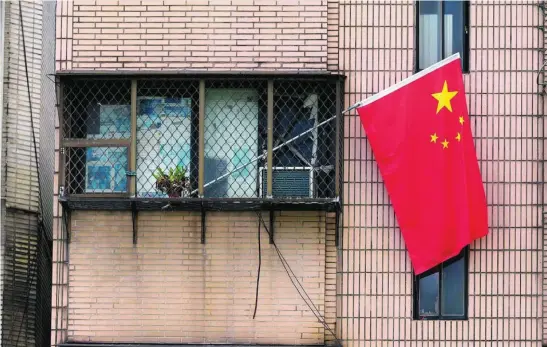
<point>420,134</point>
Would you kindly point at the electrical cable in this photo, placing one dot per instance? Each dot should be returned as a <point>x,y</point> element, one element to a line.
<point>298,286</point>
<point>41,228</point>
<point>258,274</point>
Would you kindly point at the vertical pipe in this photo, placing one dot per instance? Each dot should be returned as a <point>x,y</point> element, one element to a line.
<point>132,184</point>
<point>61,112</point>
<point>201,139</point>
<point>269,189</point>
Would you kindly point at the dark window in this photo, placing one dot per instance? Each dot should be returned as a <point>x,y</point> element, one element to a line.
<point>442,30</point>
<point>441,293</point>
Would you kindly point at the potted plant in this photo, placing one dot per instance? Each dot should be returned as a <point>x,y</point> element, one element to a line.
<point>173,183</point>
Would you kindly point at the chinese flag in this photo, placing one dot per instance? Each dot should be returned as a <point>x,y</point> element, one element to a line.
<point>421,138</point>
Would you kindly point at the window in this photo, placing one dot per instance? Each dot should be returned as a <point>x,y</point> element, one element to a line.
<point>442,30</point>
<point>149,137</point>
<point>441,293</point>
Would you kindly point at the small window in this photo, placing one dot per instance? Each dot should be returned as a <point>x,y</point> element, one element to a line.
<point>442,30</point>
<point>441,293</point>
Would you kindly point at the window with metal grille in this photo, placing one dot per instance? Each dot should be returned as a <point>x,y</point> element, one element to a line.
<point>442,29</point>
<point>441,293</point>
<point>202,137</point>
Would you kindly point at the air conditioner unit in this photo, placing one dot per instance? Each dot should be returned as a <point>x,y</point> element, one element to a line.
<point>288,182</point>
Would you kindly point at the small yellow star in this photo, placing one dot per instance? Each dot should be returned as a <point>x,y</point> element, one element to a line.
<point>459,137</point>
<point>434,138</point>
<point>461,120</point>
<point>445,144</point>
<point>444,98</point>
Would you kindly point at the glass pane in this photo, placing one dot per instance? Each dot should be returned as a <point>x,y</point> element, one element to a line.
<point>96,109</point>
<point>108,121</point>
<point>453,288</point>
<point>429,33</point>
<point>105,169</point>
<point>163,142</point>
<point>453,27</point>
<point>231,142</point>
<point>429,295</point>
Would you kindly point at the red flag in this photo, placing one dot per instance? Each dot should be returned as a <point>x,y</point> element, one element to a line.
<point>421,138</point>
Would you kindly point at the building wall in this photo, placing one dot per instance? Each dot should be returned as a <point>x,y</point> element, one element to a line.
<point>505,289</point>
<point>373,44</point>
<point>172,34</point>
<point>216,304</point>
<point>25,259</point>
<point>171,288</point>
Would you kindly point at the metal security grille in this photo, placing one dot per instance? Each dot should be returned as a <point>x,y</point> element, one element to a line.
<point>377,49</point>
<point>201,138</point>
<point>298,108</point>
<point>96,122</point>
<point>167,133</point>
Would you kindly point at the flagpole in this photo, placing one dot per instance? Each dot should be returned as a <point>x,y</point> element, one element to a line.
<point>283,144</point>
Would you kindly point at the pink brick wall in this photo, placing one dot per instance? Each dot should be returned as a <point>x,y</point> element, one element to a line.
<point>171,288</point>
<point>186,34</point>
<point>505,293</point>
<point>373,44</point>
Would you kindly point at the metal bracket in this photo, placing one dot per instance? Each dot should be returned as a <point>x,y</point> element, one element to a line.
<point>271,234</point>
<point>203,229</point>
<point>67,220</point>
<point>337,228</point>
<point>134,218</point>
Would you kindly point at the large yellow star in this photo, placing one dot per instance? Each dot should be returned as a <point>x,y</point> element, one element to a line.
<point>444,98</point>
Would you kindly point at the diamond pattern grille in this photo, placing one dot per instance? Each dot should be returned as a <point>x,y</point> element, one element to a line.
<point>299,109</point>
<point>97,109</point>
<point>97,124</point>
<point>235,137</point>
<point>167,135</point>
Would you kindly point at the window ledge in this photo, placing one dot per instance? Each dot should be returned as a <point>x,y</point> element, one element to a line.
<point>199,204</point>
<point>98,344</point>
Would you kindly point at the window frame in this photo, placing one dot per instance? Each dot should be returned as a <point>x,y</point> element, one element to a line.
<point>466,34</point>
<point>464,254</point>
<point>326,83</point>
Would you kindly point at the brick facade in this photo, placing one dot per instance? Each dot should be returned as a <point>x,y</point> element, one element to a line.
<point>157,35</point>
<point>171,288</point>
<point>377,49</point>
<point>373,45</point>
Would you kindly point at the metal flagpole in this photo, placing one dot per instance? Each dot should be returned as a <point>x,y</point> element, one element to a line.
<point>254,160</point>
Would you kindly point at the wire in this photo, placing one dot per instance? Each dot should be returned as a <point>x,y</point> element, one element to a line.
<point>297,285</point>
<point>40,231</point>
<point>30,110</point>
<point>258,274</point>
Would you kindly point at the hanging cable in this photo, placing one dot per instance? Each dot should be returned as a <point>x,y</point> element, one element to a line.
<point>41,230</point>
<point>298,286</point>
<point>258,274</point>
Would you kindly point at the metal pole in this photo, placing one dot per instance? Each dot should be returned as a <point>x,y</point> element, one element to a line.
<point>201,139</point>
<point>273,149</point>
<point>133,152</point>
<point>269,164</point>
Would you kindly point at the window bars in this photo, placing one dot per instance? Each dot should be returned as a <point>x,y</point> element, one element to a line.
<point>232,138</point>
